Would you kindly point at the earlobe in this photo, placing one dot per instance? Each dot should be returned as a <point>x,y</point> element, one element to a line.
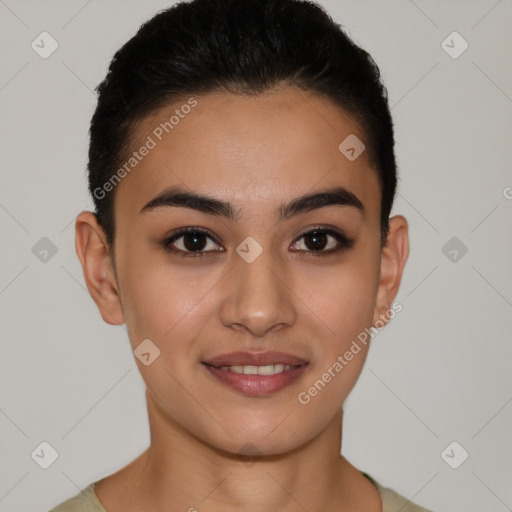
<point>394,255</point>
<point>94,255</point>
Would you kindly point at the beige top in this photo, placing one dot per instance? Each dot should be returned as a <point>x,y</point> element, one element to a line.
<point>87,501</point>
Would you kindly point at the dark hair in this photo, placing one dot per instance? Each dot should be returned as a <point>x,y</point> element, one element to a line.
<point>240,47</point>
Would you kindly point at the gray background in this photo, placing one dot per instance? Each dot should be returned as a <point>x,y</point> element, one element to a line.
<point>439,372</point>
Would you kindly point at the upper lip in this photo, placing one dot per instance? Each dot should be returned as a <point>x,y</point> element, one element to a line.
<point>254,359</point>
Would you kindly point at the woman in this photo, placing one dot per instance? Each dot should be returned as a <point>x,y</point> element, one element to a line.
<point>242,167</point>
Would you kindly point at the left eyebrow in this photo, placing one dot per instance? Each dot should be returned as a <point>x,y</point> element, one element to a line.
<point>177,196</point>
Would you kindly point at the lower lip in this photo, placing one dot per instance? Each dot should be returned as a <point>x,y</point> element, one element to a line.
<point>257,385</point>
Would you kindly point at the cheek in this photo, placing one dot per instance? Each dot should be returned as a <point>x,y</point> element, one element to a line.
<point>166,303</point>
<point>345,310</point>
<point>341,307</point>
<point>344,303</point>
<point>343,298</point>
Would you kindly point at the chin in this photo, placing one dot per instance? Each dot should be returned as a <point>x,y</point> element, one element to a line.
<point>252,448</point>
<point>254,442</point>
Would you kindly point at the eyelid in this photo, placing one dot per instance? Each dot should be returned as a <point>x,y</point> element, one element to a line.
<point>190,229</point>
<point>322,227</point>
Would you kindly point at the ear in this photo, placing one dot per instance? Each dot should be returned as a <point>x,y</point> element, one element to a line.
<point>394,255</point>
<point>94,255</point>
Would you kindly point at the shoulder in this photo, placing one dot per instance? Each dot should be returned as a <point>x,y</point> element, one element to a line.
<point>394,502</point>
<point>85,501</point>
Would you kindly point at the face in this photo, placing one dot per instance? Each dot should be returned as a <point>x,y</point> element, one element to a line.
<point>282,255</point>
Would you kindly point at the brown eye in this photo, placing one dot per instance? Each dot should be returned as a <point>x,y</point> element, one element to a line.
<point>190,242</point>
<point>325,241</point>
<point>316,240</point>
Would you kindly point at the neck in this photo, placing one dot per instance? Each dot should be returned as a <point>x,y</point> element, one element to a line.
<point>181,472</point>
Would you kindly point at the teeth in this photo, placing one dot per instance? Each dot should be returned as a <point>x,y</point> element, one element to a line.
<point>270,369</point>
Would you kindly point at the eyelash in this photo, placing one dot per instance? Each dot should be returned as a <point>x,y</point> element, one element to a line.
<point>343,241</point>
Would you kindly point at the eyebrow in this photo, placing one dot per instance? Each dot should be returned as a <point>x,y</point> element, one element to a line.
<point>177,196</point>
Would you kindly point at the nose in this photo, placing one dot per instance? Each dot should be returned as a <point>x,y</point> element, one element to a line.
<point>258,296</point>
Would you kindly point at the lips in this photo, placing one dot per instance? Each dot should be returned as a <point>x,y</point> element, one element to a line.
<point>254,359</point>
<point>256,374</point>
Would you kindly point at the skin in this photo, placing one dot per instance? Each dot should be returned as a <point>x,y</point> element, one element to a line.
<point>243,150</point>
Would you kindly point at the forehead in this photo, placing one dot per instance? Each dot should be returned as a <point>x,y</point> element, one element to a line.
<point>251,150</point>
